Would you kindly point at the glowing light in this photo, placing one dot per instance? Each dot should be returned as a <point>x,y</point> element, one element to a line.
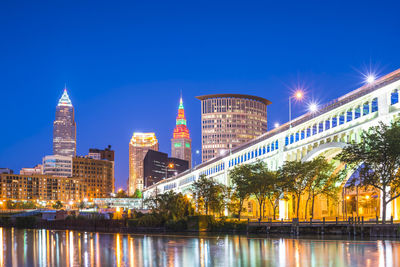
<point>189,196</point>
<point>370,78</point>
<point>85,199</point>
<point>367,197</point>
<point>197,151</point>
<point>71,202</point>
<point>313,107</point>
<point>171,165</point>
<point>64,100</point>
<point>276,125</point>
<point>347,197</point>
<point>118,210</point>
<point>299,95</point>
<point>120,190</point>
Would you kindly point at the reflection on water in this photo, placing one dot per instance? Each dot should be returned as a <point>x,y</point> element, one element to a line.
<point>21,247</point>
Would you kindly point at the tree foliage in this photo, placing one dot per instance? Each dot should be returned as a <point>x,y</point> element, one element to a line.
<point>209,194</point>
<point>57,205</point>
<point>378,158</point>
<point>171,205</point>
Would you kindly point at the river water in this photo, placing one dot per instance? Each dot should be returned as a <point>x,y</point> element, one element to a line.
<point>22,247</point>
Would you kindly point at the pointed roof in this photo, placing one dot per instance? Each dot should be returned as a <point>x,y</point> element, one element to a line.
<point>64,100</point>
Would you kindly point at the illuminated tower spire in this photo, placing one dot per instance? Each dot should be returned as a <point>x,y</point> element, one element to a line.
<point>181,144</point>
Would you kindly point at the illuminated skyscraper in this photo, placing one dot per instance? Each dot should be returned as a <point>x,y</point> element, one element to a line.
<point>229,120</point>
<point>64,128</point>
<point>138,147</point>
<point>181,144</point>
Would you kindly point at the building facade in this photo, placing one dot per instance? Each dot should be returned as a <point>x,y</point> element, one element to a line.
<point>181,144</point>
<point>38,169</point>
<point>107,153</point>
<point>229,120</point>
<point>138,147</point>
<point>57,165</point>
<point>41,187</point>
<point>96,175</point>
<point>64,128</point>
<point>158,166</point>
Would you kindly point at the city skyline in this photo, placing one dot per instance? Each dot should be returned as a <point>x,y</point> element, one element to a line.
<point>124,74</point>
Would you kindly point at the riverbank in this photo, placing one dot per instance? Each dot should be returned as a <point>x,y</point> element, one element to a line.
<point>202,224</point>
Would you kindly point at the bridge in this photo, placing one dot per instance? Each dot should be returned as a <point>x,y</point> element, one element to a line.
<point>324,132</point>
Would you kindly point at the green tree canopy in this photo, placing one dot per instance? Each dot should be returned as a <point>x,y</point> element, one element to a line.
<point>378,158</point>
<point>209,193</point>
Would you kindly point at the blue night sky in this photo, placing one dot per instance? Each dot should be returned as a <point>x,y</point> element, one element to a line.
<point>125,63</point>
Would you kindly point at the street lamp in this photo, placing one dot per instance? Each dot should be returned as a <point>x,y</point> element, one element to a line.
<point>298,95</point>
<point>169,166</point>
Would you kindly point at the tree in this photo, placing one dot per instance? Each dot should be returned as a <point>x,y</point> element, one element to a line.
<point>208,192</point>
<point>57,205</point>
<point>378,158</point>
<point>322,181</point>
<point>137,194</point>
<point>121,194</point>
<point>170,205</point>
<point>263,185</point>
<point>296,175</point>
<point>241,177</point>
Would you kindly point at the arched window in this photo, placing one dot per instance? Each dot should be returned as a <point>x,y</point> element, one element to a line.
<point>366,108</point>
<point>286,141</point>
<point>321,127</point>
<point>394,97</point>
<point>334,122</point>
<point>327,124</point>
<point>268,149</point>
<point>349,116</point>
<point>302,135</point>
<point>341,119</point>
<point>291,138</point>
<point>297,137</point>
<point>276,144</point>
<point>314,129</point>
<point>374,105</point>
<point>357,112</point>
<point>308,132</point>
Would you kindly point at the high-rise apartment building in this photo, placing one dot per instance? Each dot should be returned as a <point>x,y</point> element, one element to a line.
<point>64,128</point>
<point>181,144</point>
<point>229,120</point>
<point>138,147</point>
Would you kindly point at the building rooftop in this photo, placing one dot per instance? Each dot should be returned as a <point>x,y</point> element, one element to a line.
<point>252,97</point>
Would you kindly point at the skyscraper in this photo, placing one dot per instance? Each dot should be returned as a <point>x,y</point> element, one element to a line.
<point>181,144</point>
<point>229,120</point>
<point>138,147</point>
<point>64,128</point>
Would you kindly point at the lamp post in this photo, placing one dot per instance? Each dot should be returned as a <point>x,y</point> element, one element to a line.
<point>298,95</point>
<point>169,166</point>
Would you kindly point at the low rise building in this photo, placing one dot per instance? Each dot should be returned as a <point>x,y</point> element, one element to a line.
<point>41,187</point>
<point>97,175</point>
